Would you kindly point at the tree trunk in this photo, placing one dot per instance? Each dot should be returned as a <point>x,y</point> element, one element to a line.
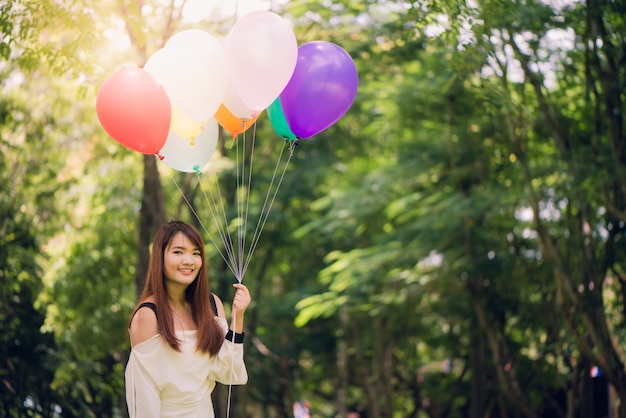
<point>342,365</point>
<point>151,216</point>
<point>504,368</point>
<point>477,361</point>
<point>366,377</point>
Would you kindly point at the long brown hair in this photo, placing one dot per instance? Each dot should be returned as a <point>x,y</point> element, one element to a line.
<point>210,334</point>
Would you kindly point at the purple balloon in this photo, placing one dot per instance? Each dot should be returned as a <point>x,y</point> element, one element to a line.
<point>321,89</point>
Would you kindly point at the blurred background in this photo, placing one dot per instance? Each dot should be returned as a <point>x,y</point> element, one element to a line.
<point>452,247</point>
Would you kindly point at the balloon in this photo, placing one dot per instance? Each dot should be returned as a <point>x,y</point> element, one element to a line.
<point>233,102</point>
<point>192,71</point>
<point>134,110</point>
<point>184,126</point>
<point>232,123</point>
<point>262,50</point>
<point>321,89</point>
<point>278,121</point>
<point>179,153</point>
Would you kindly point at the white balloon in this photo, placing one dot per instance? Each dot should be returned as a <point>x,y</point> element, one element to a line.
<point>191,69</point>
<point>190,156</point>
<point>188,39</point>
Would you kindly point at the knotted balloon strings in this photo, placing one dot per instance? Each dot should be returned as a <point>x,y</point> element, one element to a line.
<point>243,205</point>
<point>234,252</point>
<point>267,203</point>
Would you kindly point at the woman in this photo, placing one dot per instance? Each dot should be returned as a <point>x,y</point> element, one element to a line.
<point>178,332</point>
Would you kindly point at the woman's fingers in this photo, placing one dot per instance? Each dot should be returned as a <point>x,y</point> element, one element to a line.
<point>242,297</point>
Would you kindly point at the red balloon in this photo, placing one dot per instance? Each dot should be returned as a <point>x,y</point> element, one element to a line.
<point>134,110</point>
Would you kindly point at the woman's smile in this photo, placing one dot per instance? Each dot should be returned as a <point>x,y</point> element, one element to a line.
<point>182,261</point>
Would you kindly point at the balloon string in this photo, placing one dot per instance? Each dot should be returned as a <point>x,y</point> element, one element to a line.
<point>265,213</point>
<point>232,366</point>
<point>234,251</point>
<point>221,223</point>
<point>234,254</point>
<point>201,223</point>
<point>242,204</point>
<point>242,265</point>
<point>238,167</point>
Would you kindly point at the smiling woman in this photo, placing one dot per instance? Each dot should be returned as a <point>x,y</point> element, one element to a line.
<point>178,332</point>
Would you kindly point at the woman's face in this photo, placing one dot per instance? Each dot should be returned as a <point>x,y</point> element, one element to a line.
<point>182,261</point>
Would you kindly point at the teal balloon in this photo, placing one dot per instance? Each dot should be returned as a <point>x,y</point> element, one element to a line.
<point>278,120</point>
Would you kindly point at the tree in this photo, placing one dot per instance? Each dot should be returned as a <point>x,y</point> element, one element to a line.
<point>32,181</point>
<point>475,190</point>
<point>449,248</point>
<point>582,263</point>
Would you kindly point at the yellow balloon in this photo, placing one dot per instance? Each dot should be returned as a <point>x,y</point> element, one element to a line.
<point>184,126</point>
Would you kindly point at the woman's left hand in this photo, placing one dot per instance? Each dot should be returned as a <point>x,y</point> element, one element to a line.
<point>242,299</point>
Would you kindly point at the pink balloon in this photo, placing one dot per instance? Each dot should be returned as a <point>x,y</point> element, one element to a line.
<point>134,110</point>
<point>262,51</point>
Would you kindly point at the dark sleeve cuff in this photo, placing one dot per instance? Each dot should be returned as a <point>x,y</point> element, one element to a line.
<point>238,338</point>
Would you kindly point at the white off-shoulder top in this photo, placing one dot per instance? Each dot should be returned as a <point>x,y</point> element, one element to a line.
<point>161,382</point>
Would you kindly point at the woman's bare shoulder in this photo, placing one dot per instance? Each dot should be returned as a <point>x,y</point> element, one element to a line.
<point>144,324</point>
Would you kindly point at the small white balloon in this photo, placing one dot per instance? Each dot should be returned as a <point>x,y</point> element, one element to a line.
<point>187,155</point>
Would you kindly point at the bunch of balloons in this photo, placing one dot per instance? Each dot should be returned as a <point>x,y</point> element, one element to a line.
<point>173,106</point>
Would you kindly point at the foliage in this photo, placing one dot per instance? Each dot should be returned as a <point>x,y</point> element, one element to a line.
<point>449,248</point>
<point>28,356</point>
<point>28,213</point>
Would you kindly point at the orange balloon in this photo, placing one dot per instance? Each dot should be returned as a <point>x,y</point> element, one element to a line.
<point>232,123</point>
